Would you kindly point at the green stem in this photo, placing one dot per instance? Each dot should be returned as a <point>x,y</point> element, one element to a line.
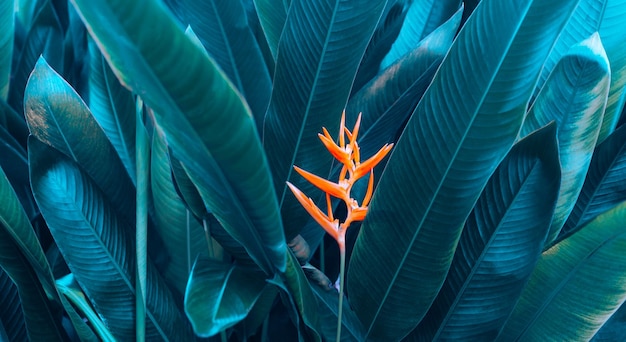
<point>342,268</point>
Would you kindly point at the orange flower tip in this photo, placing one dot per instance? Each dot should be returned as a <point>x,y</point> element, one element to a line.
<point>369,164</point>
<point>342,125</point>
<point>334,189</point>
<point>355,131</point>
<point>370,190</point>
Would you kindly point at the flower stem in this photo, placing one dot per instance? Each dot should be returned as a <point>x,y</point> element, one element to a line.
<point>342,268</point>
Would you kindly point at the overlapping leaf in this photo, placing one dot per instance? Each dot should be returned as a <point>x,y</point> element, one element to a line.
<point>590,262</point>
<point>6,45</point>
<point>272,16</point>
<point>12,316</point>
<point>214,136</point>
<point>443,159</point>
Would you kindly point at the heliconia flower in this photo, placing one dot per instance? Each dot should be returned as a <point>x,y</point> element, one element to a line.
<point>349,156</point>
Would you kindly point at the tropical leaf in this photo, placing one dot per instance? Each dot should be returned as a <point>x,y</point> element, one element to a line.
<point>328,298</point>
<point>182,235</point>
<point>213,136</point>
<point>45,38</point>
<point>220,295</point>
<point>6,45</point>
<point>11,316</point>
<point>585,20</point>
<point>591,262</point>
<point>613,329</point>
<point>221,26</point>
<point>575,97</point>
<point>311,87</point>
<point>499,246</point>
<point>272,16</point>
<point>57,116</point>
<point>611,32</point>
<point>259,314</point>
<point>422,18</point>
<point>99,248</point>
<point>15,165</point>
<point>13,123</point>
<point>407,241</point>
<point>113,107</point>
<point>604,186</point>
<point>142,200</point>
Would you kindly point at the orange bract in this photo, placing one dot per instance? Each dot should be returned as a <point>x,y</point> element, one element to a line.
<point>349,156</point>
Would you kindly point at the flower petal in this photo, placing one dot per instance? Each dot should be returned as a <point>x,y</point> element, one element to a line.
<point>370,190</point>
<point>337,152</point>
<point>369,164</point>
<point>333,189</point>
<point>331,227</point>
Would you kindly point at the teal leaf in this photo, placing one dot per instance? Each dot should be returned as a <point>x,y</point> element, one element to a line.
<point>12,316</point>
<point>614,329</point>
<point>259,314</point>
<point>272,16</point>
<point>591,262</point>
<point>99,248</point>
<point>460,131</point>
<point>213,136</point>
<point>220,295</point>
<point>113,107</point>
<point>500,244</point>
<point>142,200</point>
<point>422,18</point>
<point>57,116</point>
<point>611,32</point>
<point>328,299</point>
<point>604,186</point>
<point>575,97</point>
<point>315,69</point>
<point>6,45</point>
<point>222,28</point>
<point>14,162</point>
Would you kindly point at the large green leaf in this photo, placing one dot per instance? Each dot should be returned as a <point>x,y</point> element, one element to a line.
<point>57,116</point>
<point>500,244</point>
<point>422,18</point>
<point>182,235</point>
<point>461,130</point>
<point>575,97</point>
<point>113,107</point>
<point>272,16</point>
<point>12,316</point>
<point>6,45</point>
<point>604,186</point>
<point>591,262</point>
<point>612,33</point>
<point>585,20</point>
<point>221,26</point>
<point>14,162</point>
<point>319,54</point>
<point>614,329</point>
<point>328,299</point>
<point>220,295</point>
<point>99,248</point>
<point>214,136</point>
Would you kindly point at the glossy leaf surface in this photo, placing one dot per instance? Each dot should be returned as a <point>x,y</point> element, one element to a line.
<point>443,160</point>
<point>6,45</point>
<point>272,16</point>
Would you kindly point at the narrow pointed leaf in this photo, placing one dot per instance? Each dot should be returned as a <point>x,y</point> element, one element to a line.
<point>57,116</point>
<point>12,316</point>
<point>220,295</point>
<point>213,136</point>
<point>604,186</point>
<point>422,18</point>
<point>272,16</point>
<point>611,31</point>
<point>500,244</point>
<point>443,160</point>
<point>99,248</point>
<point>314,73</point>
<point>185,188</point>
<point>113,107</point>
<point>258,314</point>
<point>6,45</point>
<point>591,262</point>
<point>575,97</point>
<point>14,163</point>
<point>222,28</point>
<point>142,163</point>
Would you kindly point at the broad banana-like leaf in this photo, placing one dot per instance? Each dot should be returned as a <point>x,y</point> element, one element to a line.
<point>45,38</point>
<point>611,32</point>
<point>99,248</point>
<point>7,10</point>
<point>388,100</point>
<point>500,244</point>
<point>14,162</point>
<point>328,299</point>
<point>593,262</point>
<point>222,27</point>
<point>220,295</point>
<point>575,97</point>
<point>258,314</point>
<point>69,288</point>
<point>213,136</point>
<point>41,322</point>
<point>182,235</point>
<point>585,20</point>
<point>423,17</point>
<point>13,123</point>
<point>314,73</point>
<point>113,107</point>
<point>57,116</point>
<point>614,328</point>
<point>11,316</point>
<point>272,16</point>
<point>460,131</point>
<point>604,186</point>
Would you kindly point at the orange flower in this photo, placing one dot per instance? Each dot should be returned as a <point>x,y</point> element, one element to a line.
<point>349,156</point>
